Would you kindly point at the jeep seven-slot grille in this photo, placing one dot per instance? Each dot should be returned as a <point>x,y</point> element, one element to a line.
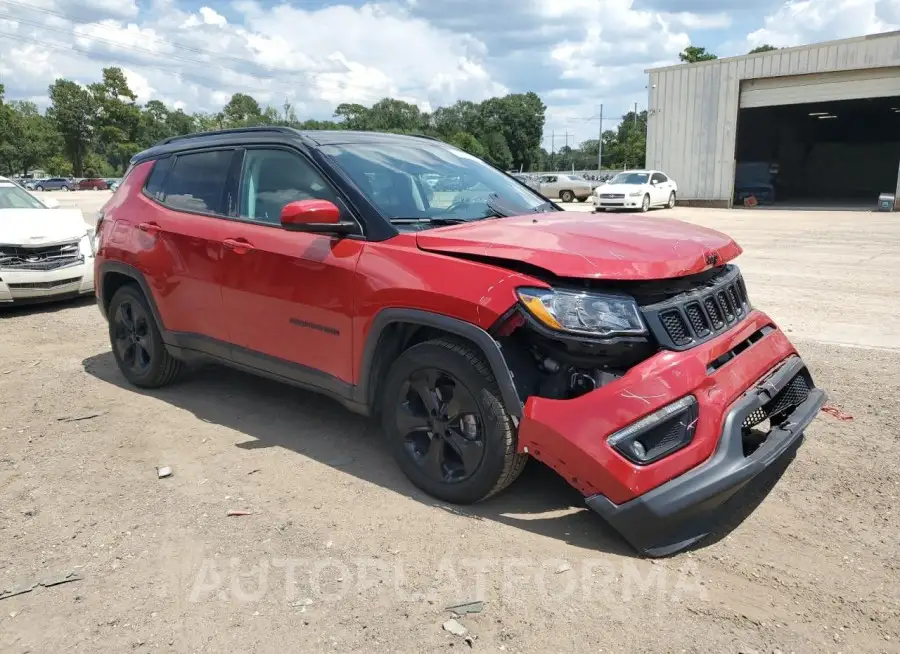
<point>695,316</point>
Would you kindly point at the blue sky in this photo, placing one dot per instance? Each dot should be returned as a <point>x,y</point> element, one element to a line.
<point>576,54</point>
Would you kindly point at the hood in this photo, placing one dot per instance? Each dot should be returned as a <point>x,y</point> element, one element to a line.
<point>620,188</point>
<point>571,244</point>
<point>36,227</point>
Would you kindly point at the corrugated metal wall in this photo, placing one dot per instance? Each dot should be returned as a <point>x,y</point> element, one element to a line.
<point>693,109</point>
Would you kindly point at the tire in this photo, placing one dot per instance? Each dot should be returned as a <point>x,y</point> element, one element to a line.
<point>566,196</point>
<point>671,203</point>
<point>65,188</point>
<point>584,199</point>
<point>413,438</point>
<point>645,205</point>
<point>39,188</point>
<point>158,368</point>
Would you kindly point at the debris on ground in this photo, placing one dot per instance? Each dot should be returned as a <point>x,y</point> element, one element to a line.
<point>837,413</point>
<point>47,583</point>
<point>163,471</point>
<point>563,568</point>
<point>455,627</point>
<point>236,512</point>
<point>254,471</point>
<point>86,416</point>
<point>467,607</point>
<point>470,641</point>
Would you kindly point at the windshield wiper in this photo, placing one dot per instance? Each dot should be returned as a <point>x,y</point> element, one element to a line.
<point>429,220</point>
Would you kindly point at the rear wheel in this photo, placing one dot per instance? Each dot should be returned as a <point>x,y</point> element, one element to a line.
<point>567,196</point>
<point>137,343</point>
<point>584,199</point>
<point>39,188</point>
<point>64,188</point>
<point>446,424</point>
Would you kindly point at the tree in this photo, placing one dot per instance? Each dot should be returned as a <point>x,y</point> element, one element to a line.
<point>467,142</point>
<point>692,54</point>
<point>118,119</point>
<point>763,48</point>
<point>30,137</point>
<point>241,111</point>
<point>72,110</point>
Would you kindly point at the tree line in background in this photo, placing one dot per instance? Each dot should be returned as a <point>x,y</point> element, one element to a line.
<point>94,130</point>
<point>692,54</point>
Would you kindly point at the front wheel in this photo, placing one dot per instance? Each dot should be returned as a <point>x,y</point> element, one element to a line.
<point>446,424</point>
<point>645,205</point>
<point>65,188</point>
<point>671,203</point>
<point>567,196</point>
<point>39,188</point>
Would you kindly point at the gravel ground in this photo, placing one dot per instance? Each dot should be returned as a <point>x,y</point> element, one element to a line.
<point>340,553</point>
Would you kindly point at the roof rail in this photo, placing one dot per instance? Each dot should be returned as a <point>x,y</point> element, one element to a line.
<point>276,129</point>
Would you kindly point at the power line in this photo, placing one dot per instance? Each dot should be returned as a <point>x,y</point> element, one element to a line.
<point>76,21</point>
<point>191,80</point>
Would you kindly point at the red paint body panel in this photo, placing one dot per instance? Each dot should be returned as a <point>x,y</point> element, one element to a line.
<point>611,246</point>
<point>570,435</point>
<point>289,280</point>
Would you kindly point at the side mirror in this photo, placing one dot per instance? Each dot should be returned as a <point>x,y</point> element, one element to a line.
<point>315,217</point>
<point>50,203</point>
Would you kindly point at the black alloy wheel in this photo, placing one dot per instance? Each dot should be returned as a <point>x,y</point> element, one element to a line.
<point>441,424</point>
<point>131,337</point>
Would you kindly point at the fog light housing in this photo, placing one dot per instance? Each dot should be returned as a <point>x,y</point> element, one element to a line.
<point>659,434</point>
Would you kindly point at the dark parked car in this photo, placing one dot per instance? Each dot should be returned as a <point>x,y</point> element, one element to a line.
<point>92,184</point>
<point>55,184</point>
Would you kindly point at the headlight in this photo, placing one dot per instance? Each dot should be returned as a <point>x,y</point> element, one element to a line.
<point>590,314</point>
<point>88,246</point>
<point>636,194</point>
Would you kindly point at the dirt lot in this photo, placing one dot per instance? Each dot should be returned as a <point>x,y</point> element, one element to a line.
<point>341,553</point>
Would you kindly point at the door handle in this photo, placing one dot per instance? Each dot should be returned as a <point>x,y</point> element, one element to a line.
<point>150,228</point>
<point>238,246</point>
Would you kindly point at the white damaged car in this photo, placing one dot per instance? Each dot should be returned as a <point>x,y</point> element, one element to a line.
<point>46,253</point>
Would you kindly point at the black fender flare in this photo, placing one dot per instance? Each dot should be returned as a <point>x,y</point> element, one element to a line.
<point>478,336</point>
<point>135,274</point>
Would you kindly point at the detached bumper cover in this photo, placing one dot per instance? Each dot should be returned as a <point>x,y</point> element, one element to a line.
<point>678,513</point>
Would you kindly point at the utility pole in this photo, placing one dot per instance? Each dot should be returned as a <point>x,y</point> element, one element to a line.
<point>635,114</point>
<point>552,149</point>
<point>567,144</point>
<point>600,142</point>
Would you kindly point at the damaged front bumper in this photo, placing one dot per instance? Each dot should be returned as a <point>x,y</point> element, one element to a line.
<point>656,505</point>
<point>679,513</point>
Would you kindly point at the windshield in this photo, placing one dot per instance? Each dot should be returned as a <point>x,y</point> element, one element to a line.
<point>630,178</point>
<point>429,181</point>
<point>15,197</point>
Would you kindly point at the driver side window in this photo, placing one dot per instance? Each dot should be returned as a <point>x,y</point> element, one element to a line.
<point>273,178</point>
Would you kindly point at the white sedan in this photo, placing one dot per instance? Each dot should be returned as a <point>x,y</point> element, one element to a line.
<point>46,253</point>
<point>636,189</point>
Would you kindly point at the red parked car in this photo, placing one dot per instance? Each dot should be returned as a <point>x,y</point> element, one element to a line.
<point>481,325</point>
<point>93,184</point>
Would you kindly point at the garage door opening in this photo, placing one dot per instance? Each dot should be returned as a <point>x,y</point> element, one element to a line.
<point>839,155</point>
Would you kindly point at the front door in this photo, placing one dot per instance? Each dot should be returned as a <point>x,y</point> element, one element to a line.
<point>289,296</point>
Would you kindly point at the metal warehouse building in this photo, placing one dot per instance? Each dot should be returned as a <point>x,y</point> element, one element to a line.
<point>816,125</point>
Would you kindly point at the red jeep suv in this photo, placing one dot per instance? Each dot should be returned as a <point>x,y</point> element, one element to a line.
<point>479,321</point>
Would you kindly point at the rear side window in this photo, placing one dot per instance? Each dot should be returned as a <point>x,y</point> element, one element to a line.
<point>154,185</point>
<point>197,182</point>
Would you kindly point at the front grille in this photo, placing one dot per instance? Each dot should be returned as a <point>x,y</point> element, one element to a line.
<point>789,397</point>
<point>612,196</point>
<point>52,257</point>
<point>698,315</point>
<point>45,285</point>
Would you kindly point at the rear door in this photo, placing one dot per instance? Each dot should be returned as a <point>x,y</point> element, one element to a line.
<point>289,296</point>
<point>183,235</point>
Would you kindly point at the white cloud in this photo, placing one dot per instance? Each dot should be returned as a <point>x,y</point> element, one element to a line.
<point>798,22</point>
<point>576,53</point>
